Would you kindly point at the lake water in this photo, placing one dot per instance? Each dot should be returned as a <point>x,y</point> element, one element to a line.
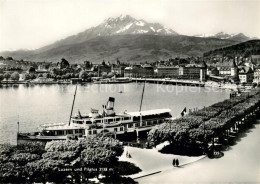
<point>41,104</point>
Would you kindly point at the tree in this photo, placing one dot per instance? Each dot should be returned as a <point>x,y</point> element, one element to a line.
<point>15,76</point>
<point>7,76</point>
<point>31,70</point>
<point>1,77</point>
<point>26,76</point>
<point>9,58</point>
<point>83,75</point>
<point>46,75</point>
<point>32,76</point>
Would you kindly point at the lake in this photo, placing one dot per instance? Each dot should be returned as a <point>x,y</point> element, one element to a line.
<point>41,104</point>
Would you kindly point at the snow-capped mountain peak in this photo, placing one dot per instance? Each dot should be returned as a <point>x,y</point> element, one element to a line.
<point>222,35</point>
<point>125,24</point>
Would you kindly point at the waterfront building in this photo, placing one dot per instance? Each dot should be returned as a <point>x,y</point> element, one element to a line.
<point>143,71</point>
<point>118,70</point>
<point>194,71</point>
<point>246,74</point>
<point>168,71</point>
<point>128,72</point>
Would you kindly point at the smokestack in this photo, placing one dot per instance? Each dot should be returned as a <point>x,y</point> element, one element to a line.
<point>110,103</point>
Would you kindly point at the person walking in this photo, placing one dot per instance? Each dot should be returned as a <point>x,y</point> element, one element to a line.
<point>177,162</point>
<point>174,162</point>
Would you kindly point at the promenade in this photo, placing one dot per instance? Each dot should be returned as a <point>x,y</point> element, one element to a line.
<point>240,164</point>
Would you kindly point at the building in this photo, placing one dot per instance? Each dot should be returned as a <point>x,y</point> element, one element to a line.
<point>168,71</point>
<point>257,75</point>
<point>118,70</point>
<point>246,74</point>
<point>128,72</point>
<point>139,71</point>
<point>255,59</point>
<point>227,68</point>
<point>194,72</point>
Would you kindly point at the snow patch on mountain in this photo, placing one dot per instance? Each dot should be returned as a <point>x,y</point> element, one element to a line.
<point>124,28</point>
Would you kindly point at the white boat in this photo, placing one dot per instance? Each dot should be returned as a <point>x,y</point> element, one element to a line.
<point>95,123</point>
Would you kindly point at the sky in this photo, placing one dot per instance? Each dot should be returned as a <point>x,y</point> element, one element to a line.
<point>31,24</point>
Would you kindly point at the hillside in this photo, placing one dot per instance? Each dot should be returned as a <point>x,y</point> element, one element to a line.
<point>245,49</point>
<point>128,48</point>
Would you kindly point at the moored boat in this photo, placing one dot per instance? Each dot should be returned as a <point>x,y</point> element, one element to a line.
<point>108,121</point>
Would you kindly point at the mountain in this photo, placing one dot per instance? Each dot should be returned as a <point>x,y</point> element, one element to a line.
<point>121,25</point>
<point>125,38</point>
<point>245,49</point>
<point>240,37</point>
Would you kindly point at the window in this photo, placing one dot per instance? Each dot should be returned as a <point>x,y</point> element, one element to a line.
<point>89,132</point>
<point>130,125</point>
<point>94,131</point>
<point>121,128</point>
<point>115,129</point>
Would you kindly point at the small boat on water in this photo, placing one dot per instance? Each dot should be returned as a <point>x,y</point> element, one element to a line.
<point>108,121</point>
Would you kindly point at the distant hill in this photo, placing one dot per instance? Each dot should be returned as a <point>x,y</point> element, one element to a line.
<point>245,49</point>
<point>130,48</point>
<point>126,38</point>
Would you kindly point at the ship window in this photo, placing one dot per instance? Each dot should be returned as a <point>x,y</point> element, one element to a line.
<point>98,121</point>
<point>60,132</point>
<point>117,119</point>
<point>109,120</point>
<point>121,128</point>
<point>94,131</point>
<point>89,132</point>
<point>130,125</point>
<point>115,129</point>
<point>69,132</point>
<point>76,131</point>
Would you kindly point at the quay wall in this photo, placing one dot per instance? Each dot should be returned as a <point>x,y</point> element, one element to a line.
<point>171,81</point>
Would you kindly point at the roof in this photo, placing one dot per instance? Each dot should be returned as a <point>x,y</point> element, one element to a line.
<point>255,56</point>
<point>149,112</point>
<point>245,69</point>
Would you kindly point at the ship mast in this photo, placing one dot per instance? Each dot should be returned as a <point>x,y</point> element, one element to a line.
<point>141,104</point>
<point>73,104</point>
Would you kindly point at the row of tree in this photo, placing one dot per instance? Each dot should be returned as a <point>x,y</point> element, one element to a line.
<point>193,132</point>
